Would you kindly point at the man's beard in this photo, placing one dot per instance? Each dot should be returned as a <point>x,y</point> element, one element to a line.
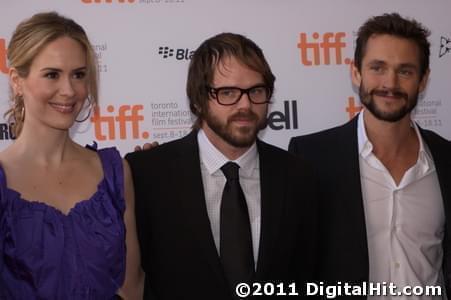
<point>367,99</point>
<point>240,137</point>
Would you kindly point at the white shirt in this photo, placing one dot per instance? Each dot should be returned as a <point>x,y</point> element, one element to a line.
<point>211,161</point>
<point>405,222</point>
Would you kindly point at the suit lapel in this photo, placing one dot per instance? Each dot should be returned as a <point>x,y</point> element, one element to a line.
<point>349,179</point>
<point>442,161</point>
<point>192,200</point>
<point>272,203</point>
<point>349,165</point>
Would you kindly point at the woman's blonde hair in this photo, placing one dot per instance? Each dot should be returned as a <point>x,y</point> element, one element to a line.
<point>28,40</point>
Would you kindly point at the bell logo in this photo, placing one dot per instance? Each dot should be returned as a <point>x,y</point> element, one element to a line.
<point>3,65</point>
<point>106,1</point>
<point>288,119</point>
<point>318,51</point>
<point>127,114</point>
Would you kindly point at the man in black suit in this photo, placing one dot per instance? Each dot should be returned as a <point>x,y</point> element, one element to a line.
<point>199,239</point>
<point>385,182</point>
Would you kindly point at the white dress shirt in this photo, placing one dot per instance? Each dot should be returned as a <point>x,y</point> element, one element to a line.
<point>211,161</point>
<point>405,222</point>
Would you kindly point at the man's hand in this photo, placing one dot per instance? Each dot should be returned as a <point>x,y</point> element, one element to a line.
<point>146,146</point>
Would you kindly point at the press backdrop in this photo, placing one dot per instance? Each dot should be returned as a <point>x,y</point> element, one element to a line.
<point>144,47</point>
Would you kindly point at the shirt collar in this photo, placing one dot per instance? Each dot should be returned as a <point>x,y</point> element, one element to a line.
<point>366,147</point>
<point>213,159</point>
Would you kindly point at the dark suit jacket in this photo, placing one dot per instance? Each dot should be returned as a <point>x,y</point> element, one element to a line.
<point>334,156</point>
<point>177,247</point>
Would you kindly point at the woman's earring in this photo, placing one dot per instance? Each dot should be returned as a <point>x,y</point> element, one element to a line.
<point>19,103</point>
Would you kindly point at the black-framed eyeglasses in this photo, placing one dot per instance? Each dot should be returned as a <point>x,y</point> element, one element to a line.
<point>230,95</point>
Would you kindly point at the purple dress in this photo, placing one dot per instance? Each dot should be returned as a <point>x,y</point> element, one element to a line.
<point>45,254</point>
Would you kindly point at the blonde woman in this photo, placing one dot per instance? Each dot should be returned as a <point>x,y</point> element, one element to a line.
<point>67,227</point>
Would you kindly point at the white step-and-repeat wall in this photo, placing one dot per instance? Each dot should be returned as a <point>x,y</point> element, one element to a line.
<point>144,47</point>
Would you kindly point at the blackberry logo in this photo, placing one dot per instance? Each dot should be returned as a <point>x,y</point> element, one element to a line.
<point>166,52</point>
<point>178,54</point>
<point>445,46</point>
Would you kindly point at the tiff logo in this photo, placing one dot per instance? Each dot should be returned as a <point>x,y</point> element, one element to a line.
<point>352,109</point>
<point>105,125</point>
<point>106,1</point>
<point>318,51</point>
<point>3,65</point>
<point>180,54</point>
<point>445,46</point>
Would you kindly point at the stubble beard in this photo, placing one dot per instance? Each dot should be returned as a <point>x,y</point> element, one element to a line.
<point>367,99</point>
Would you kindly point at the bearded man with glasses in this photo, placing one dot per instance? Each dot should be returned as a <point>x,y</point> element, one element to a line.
<point>220,207</point>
